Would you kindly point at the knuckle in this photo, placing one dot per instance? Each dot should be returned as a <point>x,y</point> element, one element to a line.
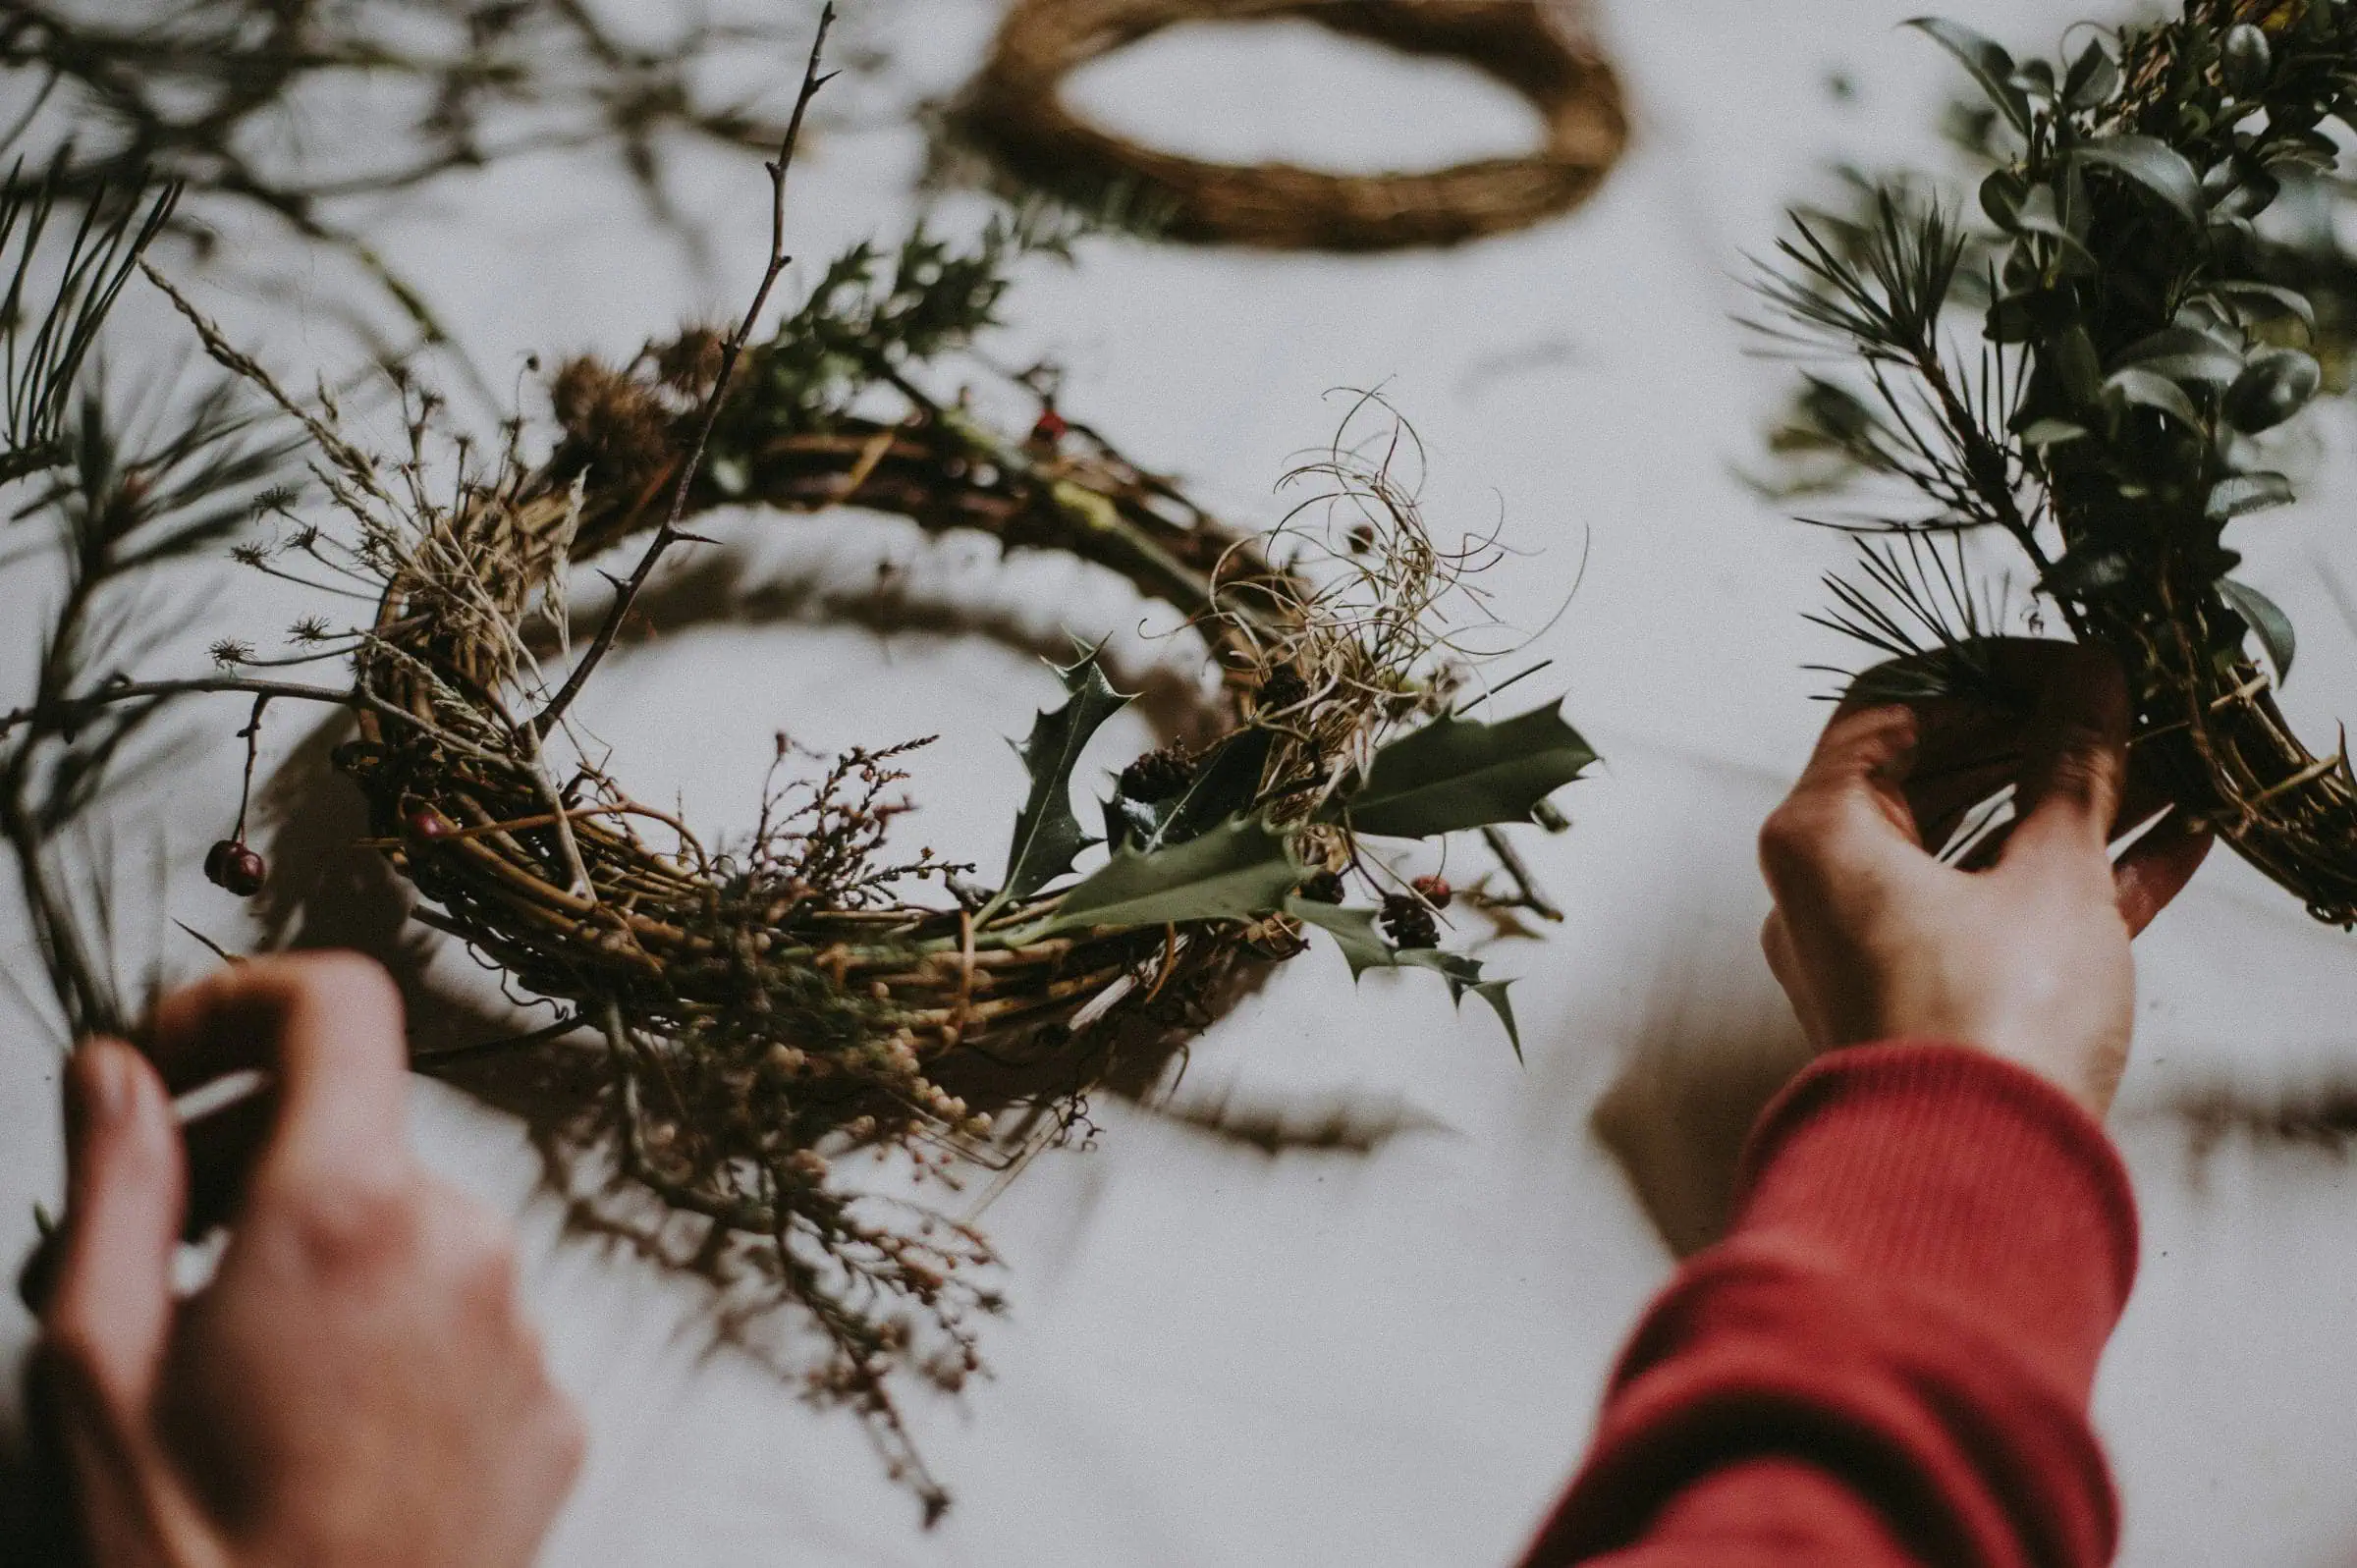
<point>348,981</point>
<point>475,1250</point>
<point>1791,839</point>
<point>355,1228</point>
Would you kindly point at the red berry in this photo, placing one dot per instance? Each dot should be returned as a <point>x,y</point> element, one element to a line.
<point>1052,428</point>
<point>427,823</point>
<point>237,868</point>
<point>1435,892</point>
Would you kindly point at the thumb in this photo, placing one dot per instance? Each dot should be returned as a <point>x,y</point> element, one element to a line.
<point>110,1317</point>
<point>2078,760</point>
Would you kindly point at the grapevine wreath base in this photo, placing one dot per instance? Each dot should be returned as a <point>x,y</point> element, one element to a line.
<point>1015,111</point>
<point>770,1007</point>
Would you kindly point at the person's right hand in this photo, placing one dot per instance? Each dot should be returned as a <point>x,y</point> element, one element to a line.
<point>357,1384</point>
<point>1873,939</point>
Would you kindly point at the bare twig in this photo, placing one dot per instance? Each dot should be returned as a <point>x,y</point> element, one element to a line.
<point>731,351</point>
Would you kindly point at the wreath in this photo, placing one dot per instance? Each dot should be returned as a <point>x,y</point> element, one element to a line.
<point>770,1006</point>
<point>2140,348</point>
<point>1014,112</point>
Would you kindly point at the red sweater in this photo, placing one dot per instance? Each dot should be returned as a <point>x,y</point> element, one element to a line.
<point>1888,1361</point>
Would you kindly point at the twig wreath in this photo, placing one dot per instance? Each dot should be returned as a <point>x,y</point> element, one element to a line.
<point>770,1007</point>
<point>1015,112</point>
<point>2114,421</point>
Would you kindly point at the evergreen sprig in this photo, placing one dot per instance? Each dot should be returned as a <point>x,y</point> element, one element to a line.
<point>2135,347</point>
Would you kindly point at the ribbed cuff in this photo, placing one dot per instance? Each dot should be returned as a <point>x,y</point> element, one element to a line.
<point>1958,1174</point>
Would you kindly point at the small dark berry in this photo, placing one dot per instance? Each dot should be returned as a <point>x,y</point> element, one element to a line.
<point>1408,923</point>
<point>237,868</point>
<point>1324,888</point>
<point>1437,892</point>
<point>1362,539</point>
<point>1158,776</point>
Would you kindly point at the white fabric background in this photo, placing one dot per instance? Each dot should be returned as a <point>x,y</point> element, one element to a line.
<point>1223,1355</point>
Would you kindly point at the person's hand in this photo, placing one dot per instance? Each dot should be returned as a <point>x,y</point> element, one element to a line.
<point>1874,939</point>
<point>357,1384</point>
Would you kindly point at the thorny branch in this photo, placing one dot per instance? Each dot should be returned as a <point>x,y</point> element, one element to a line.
<point>813,78</point>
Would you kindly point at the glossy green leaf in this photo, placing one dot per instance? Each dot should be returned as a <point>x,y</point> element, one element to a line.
<point>2051,433</point>
<point>2278,384</point>
<point>2261,300</point>
<point>1457,773</point>
<point>1240,871</point>
<point>2153,164</point>
<point>2093,77</point>
<point>1047,835</point>
<point>1990,65</point>
<point>2182,354</point>
<point>2267,620</point>
<point>2246,493</point>
<point>2144,389</point>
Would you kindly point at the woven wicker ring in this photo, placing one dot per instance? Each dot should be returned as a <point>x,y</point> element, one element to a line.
<point>1014,112</point>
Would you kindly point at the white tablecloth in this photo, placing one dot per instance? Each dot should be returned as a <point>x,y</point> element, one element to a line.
<point>1231,1346</point>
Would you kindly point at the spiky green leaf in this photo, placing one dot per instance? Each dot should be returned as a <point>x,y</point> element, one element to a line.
<point>1458,774</point>
<point>1225,786</point>
<point>1047,835</point>
<point>1463,975</point>
<point>1353,931</point>
<point>1240,871</point>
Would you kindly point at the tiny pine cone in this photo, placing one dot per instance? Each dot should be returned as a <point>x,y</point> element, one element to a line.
<point>1158,776</point>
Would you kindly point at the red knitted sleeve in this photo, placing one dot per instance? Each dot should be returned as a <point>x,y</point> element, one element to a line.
<point>1889,1359</point>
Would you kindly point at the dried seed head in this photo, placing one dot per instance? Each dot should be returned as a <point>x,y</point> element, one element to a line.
<point>1280,688</point>
<point>1408,923</point>
<point>1324,888</point>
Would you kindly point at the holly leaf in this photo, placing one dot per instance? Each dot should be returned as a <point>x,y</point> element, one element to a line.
<point>2267,620</point>
<point>1238,871</point>
<point>1223,787</point>
<point>1458,774</point>
<point>1463,975</point>
<point>1991,66</point>
<point>1047,835</point>
<point>1355,932</point>
<point>2153,164</point>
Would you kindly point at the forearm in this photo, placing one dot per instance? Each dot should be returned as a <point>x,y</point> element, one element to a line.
<point>1890,1358</point>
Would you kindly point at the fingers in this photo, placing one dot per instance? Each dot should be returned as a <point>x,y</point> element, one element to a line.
<point>329,1026</point>
<point>2077,762</point>
<point>2156,870</point>
<point>1846,807</point>
<point>110,1314</point>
